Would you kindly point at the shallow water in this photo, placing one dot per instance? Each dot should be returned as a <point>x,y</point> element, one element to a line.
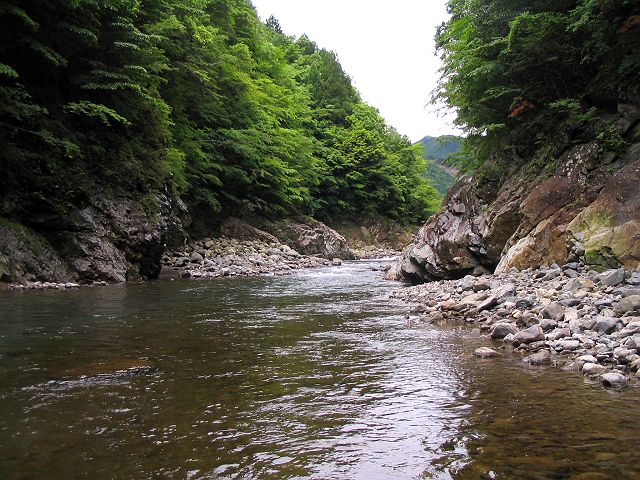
<point>316,375</point>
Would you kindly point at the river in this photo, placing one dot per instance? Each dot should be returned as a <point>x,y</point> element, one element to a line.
<point>314,375</point>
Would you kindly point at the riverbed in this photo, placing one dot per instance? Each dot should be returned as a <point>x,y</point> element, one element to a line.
<point>313,375</point>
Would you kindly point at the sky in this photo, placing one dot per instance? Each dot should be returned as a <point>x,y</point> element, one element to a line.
<point>387,48</point>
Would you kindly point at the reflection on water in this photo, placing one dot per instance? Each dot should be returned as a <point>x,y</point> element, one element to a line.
<point>316,375</point>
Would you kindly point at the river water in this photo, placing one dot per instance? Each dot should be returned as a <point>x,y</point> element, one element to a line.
<point>315,375</point>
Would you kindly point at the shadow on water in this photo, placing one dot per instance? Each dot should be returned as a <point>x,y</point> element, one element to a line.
<point>315,375</point>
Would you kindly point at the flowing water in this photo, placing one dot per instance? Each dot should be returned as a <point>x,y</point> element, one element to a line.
<point>316,375</point>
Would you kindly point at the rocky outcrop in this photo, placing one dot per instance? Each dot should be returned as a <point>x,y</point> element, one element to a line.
<point>112,238</point>
<point>567,203</point>
<point>310,237</point>
<point>26,255</point>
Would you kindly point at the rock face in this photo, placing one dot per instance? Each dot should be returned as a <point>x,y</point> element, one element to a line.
<point>565,204</point>
<point>113,238</point>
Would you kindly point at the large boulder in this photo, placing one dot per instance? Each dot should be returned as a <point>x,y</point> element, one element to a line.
<point>609,228</point>
<point>233,227</point>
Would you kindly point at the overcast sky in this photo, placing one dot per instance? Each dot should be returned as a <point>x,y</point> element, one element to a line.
<point>387,48</point>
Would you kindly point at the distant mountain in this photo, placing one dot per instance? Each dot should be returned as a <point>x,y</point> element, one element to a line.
<point>437,150</point>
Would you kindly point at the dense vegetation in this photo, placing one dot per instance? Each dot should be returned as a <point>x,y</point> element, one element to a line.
<point>198,95</point>
<point>439,153</point>
<point>521,72</point>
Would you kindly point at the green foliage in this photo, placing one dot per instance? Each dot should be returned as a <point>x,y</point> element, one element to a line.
<point>236,116</point>
<point>518,72</point>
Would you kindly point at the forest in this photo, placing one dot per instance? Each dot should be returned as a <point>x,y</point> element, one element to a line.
<point>196,96</point>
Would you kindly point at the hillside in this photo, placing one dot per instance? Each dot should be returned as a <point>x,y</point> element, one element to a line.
<point>441,148</point>
<point>437,150</point>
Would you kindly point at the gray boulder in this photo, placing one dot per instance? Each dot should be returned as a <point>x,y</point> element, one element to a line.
<point>628,304</point>
<point>502,329</point>
<point>554,311</point>
<point>486,352</point>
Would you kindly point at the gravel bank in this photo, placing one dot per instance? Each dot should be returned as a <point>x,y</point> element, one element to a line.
<point>569,316</point>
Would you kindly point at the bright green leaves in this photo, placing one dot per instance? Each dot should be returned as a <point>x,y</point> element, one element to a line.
<point>98,111</point>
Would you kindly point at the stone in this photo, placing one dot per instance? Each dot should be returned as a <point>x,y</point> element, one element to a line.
<point>557,334</point>
<point>433,317</point>
<point>571,273</point>
<point>449,304</point>
<point>508,339</point>
<point>593,369</point>
<point>613,380</point>
<point>196,258</point>
<point>481,285</point>
<point>611,278</point>
<point>568,345</point>
<point>505,291</point>
<point>501,330</point>
<point>524,303</point>
<point>580,324</point>
<point>486,352</point>
<point>605,324</point>
<point>622,353</point>
<point>467,282</point>
<point>551,274</point>
<point>628,304</point>
<point>529,335</point>
<point>547,324</point>
<point>554,311</point>
<point>580,283</point>
<point>587,359</point>
<point>543,357</point>
<point>573,366</point>
<point>487,304</point>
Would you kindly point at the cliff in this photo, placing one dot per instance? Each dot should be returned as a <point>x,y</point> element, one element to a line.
<point>566,202</point>
<point>113,237</point>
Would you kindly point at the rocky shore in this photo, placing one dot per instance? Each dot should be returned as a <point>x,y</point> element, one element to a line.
<point>570,316</point>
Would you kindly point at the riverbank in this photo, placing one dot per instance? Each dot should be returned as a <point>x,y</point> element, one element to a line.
<point>569,316</point>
